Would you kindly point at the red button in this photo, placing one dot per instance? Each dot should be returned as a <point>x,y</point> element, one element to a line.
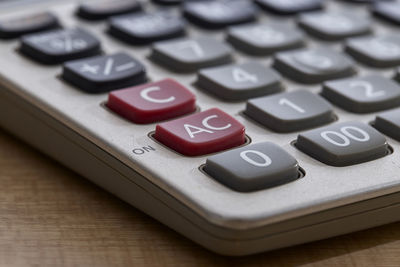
<point>152,102</point>
<point>202,133</point>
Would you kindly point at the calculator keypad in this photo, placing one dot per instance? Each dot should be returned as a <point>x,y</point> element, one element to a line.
<point>201,133</point>
<point>106,8</point>
<point>240,81</point>
<point>343,144</point>
<point>254,167</point>
<point>389,123</point>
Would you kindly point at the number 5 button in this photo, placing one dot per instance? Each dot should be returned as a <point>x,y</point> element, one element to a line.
<point>202,133</point>
<point>253,167</point>
<point>343,144</point>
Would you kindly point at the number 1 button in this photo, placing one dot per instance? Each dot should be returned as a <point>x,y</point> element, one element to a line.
<point>202,133</point>
<point>343,144</point>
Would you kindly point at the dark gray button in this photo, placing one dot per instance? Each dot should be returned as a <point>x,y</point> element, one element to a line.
<point>388,10</point>
<point>57,46</point>
<point>389,123</point>
<point>343,144</point>
<point>265,39</point>
<point>314,65</point>
<point>253,167</point>
<point>288,112</point>
<point>290,6</point>
<point>363,94</point>
<point>239,82</point>
<point>334,25</point>
<point>187,55</point>
<point>106,8</point>
<point>381,52</point>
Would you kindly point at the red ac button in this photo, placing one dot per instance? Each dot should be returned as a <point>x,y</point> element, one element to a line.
<point>152,102</point>
<point>202,133</point>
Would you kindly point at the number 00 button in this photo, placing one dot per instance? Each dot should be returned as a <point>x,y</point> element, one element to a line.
<point>253,167</point>
<point>343,144</point>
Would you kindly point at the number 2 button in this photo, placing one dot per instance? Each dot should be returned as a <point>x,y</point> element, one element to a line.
<point>202,133</point>
<point>343,144</point>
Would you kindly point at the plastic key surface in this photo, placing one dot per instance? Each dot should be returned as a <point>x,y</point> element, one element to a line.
<point>288,7</point>
<point>388,10</point>
<point>104,73</point>
<point>201,133</point>
<point>389,123</point>
<point>106,8</point>
<point>57,46</point>
<point>254,167</point>
<point>288,112</point>
<point>152,102</point>
<point>240,81</point>
<point>343,144</point>
<point>18,26</point>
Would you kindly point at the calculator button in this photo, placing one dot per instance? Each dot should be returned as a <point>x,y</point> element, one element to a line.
<point>239,82</point>
<point>389,123</point>
<point>143,28</point>
<point>254,167</point>
<point>381,51</point>
<point>15,27</point>
<point>217,14</point>
<point>287,7</point>
<point>314,65</point>
<point>104,73</point>
<point>389,10</point>
<point>363,94</point>
<point>106,8</point>
<point>265,39</point>
<point>289,112</point>
<point>187,55</point>
<point>334,26</point>
<point>202,133</point>
<point>343,144</point>
<point>57,46</point>
<point>152,102</point>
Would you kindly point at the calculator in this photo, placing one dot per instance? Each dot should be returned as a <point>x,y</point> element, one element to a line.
<point>245,126</point>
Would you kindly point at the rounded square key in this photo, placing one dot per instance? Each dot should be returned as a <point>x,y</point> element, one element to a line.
<point>57,46</point>
<point>265,39</point>
<point>343,144</point>
<point>152,102</point>
<point>289,112</point>
<point>389,123</point>
<point>313,65</point>
<point>287,7</point>
<point>334,25</point>
<point>254,167</point>
<point>104,73</point>
<point>388,10</point>
<point>187,55</point>
<point>143,28</point>
<point>363,94</point>
<point>376,51</point>
<point>18,26</point>
<point>201,133</point>
<point>217,14</point>
<point>106,8</point>
<point>241,81</point>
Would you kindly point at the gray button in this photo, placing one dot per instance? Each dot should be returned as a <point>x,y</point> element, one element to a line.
<point>288,112</point>
<point>238,82</point>
<point>334,25</point>
<point>265,39</point>
<point>363,94</point>
<point>253,167</point>
<point>389,123</point>
<point>381,51</point>
<point>187,55</point>
<point>343,144</point>
<point>314,65</point>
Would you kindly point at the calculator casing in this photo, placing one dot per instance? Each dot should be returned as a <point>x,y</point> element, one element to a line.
<point>77,129</point>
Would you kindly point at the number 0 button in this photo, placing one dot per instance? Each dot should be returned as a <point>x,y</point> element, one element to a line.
<point>343,144</point>
<point>253,167</point>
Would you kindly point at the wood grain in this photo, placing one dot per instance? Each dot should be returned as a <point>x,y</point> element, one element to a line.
<point>50,216</point>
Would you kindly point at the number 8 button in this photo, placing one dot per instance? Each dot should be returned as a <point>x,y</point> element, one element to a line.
<point>343,144</point>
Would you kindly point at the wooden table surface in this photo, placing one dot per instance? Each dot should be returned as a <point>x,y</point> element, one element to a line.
<point>50,216</point>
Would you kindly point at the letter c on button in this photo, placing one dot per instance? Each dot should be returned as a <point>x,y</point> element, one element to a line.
<point>205,123</point>
<point>145,95</point>
<point>265,162</point>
